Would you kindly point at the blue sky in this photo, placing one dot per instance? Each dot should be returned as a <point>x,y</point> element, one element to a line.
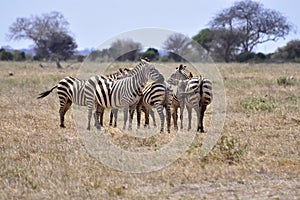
<point>92,22</point>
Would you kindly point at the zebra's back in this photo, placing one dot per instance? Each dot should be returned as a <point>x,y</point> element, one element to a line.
<point>73,89</point>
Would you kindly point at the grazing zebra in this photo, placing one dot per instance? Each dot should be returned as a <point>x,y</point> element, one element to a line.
<point>181,73</point>
<point>72,90</point>
<point>120,93</point>
<point>154,95</point>
<point>196,93</point>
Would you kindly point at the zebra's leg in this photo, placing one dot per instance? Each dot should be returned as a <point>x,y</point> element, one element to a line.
<point>115,114</point>
<point>181,115</point>
<point>197,109</point>
<point>111,116</point>
<point>146,111</point>
<point>168,114</point>
<point>101,116</point>
<point>125,117</point>
<point>90,110</point>
<point>189,109</point>
<point>202,111</point>
<point>98,115</point>
<point>138,115</point>
<point>131,113</point>
<point>151,113</point>
<point>62,111</point>
<point>175,117</point>
<point>99,111</point>
<point>160,110</point>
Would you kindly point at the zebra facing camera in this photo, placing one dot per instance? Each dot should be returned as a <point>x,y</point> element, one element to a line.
<point>132,136</point>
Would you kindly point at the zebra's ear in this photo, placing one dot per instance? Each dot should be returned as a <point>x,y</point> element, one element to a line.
<point>191,75</point>
<point>184,67</point>
<point>180,67</point>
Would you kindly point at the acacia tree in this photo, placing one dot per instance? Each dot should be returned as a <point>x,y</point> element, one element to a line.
<point>49,32</point>
<point>254,23</point>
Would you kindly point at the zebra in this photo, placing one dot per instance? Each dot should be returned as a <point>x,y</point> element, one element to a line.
<point>120,93</point>
<point>72,90</point>
<point>181,73</point>
<point>195,93</point>
<point>157,95</point>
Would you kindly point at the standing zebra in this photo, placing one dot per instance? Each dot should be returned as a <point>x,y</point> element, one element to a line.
<point>195,93</point>
<point>72,90</point>
<point>120,93</point>
<point>157,95</point>
<point>181,73</point>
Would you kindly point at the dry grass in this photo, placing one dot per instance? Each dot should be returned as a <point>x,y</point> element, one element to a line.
<point>257,156</point>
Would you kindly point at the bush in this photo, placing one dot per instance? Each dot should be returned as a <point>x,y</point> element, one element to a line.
<point>245,56</point>
<point>267,103</point>
<point>5,55</point>
<point>286,80</point>
<point>164,59</point>
<point>19,56</point>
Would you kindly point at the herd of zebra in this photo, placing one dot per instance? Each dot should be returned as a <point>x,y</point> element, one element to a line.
<point>139,88</point>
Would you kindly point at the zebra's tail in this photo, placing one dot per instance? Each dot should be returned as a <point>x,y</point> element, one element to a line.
<point>44,94</point>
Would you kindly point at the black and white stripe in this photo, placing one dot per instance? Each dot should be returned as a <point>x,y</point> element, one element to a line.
<point>196,93</point>
<point>120,93</point>
<point>72,90</point>
<point>155,95</point>
<point>181,73</point>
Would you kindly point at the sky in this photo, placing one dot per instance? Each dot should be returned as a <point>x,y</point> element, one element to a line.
<point>94,22</point>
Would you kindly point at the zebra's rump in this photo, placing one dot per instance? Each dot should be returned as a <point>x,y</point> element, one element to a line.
<point>206,91</point>
<point>73,89</point>
<point>154,93</point>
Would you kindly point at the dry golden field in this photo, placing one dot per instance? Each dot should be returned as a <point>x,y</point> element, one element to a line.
<point>256,157</point>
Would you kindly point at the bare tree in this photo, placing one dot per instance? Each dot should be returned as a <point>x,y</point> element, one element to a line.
<point>49,32</point>
<point>125,49</point>
<point>178,45</point>
<point>254,23</point>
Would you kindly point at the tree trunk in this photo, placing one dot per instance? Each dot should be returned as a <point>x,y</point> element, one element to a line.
<point>58,65</point>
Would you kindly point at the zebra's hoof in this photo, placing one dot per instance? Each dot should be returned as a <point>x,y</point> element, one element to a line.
<point>62,126</point>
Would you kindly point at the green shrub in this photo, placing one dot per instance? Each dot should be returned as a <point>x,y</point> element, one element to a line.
<point>286,80</point>
<point>267,103</point>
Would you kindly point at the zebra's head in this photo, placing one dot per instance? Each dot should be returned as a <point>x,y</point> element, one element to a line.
<point>181,73</point>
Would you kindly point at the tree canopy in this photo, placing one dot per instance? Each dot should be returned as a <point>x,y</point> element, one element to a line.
<point>240,28</point>
<point>49,32</point>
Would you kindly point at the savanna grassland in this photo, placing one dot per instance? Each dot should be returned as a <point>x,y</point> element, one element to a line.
<point>256,157</point>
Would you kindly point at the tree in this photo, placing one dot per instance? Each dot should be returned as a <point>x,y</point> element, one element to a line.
<point>125,49</point>
<point>221,44</point>
<point>290,52</point>
<point>6,55</point>
<point>205,38</point>
<point>178,45</point>
<point>254,23</point>
<point>151,53</point>
<point>50,35</point>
